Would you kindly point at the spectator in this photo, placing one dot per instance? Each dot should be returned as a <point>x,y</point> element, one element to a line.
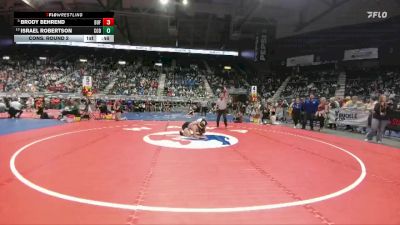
<point>238,118</point>
<point>15,109</point>
<point>380,119</point>
<point>370,107</point>
<point>333,105</point>
<point>321,112</point>
<point>103,109</point>
<point>296,111</point>
<point>118,108</point>
<point>265,113</point>
<point>310,108</point>
<point>43,114</point>
<point>279,110</point>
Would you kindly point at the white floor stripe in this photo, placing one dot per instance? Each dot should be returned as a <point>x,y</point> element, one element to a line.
<point>55,194</point>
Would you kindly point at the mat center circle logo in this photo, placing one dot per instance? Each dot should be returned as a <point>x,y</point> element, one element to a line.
<point>172,139</point>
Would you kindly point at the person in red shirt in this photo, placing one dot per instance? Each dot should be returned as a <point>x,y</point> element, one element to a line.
<point>39,103</point>
<point>321,112</point>
<point>118,108</point>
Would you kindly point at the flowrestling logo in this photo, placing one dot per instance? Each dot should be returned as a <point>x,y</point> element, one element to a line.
<point>377,14</point>
<point>172,139</point>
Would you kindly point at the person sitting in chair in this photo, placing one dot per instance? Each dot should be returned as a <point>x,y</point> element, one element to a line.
<point>195,129</point>
<point>118,108</point>
<point>86,110</point>
<point>43,114</point>
<point>103,110</point>
<point>238,117</point>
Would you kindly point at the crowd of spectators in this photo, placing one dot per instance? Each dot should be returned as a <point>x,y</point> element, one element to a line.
<point>31,75</point>
<point>309,111</point>
<point>65,76</point>
<point>185,82</point>
<point>221,76</point>
<point>267,85</point>
<point>317,83</point>
<point>28,75</point>
<point>135,80</point>
<point>373,83</point>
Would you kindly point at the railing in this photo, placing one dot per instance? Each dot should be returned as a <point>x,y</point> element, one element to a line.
<point>341,85</point>
<point>281,88</point>
<point>238,91</point>
<point>207,86</point>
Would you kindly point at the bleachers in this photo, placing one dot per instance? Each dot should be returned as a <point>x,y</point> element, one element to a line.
<point>319,83</point>
<point>185,82</point>
<point>373,83</point>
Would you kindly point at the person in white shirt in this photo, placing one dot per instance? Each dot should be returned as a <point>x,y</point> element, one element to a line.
<point>15,109</point>
<point>29,104</point>
<point>221,109</point>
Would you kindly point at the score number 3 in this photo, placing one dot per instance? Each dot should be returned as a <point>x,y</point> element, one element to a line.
<point>108,21</point>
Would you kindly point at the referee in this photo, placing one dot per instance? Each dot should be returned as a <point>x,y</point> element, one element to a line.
<point>221,108</point>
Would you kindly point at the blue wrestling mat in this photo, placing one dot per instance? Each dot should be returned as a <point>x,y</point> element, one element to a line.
<point>8,126</point>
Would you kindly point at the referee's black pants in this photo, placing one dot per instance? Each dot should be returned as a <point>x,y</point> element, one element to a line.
<point>223,113</point>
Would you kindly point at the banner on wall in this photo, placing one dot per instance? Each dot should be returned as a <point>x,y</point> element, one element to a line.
<point>303,60</point>
<point>363,53</point>
<point>359,118</point>
<point>260,47</point>
<point>257,48</point>
<point>352,117</point>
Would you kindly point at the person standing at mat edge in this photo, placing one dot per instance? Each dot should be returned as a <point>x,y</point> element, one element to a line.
<point>310,107</point>
<point>222,104</point>
<point>380,119</point>
<point>296,111</point>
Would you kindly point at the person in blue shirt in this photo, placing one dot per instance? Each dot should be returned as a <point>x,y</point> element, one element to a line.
<point>296,111</point>
<point>310,107</point>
